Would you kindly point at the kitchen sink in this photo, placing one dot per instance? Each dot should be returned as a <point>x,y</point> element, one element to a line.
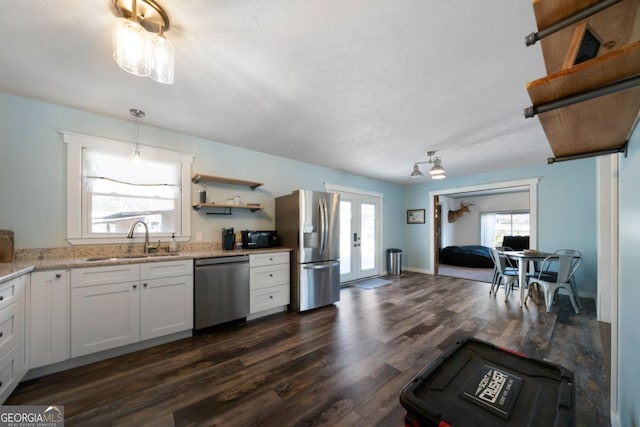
<point>125,257</point>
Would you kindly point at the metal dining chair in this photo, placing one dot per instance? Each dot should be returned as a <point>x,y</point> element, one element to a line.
<point>503,273</point>
<point>508,264</point>
<point>578,254</point>
<point>552,279</point>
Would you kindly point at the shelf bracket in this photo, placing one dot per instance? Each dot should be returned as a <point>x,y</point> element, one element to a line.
<point>532,38</point>
<point>228,212</point>
<point>581,97</point>
<point>621,149</point>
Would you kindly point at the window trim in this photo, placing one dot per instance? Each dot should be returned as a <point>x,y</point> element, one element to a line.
<point>75,143</point>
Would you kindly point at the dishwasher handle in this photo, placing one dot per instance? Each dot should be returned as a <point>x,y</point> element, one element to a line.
<point>221,260</point>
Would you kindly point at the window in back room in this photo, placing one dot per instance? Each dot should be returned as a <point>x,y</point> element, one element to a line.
<point>495,225</point>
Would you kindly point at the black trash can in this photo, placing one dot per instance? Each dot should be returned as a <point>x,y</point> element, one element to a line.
<point>394,262</point>
<point>476,383</point>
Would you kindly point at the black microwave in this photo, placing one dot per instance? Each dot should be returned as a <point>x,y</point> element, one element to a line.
<point>252,239</point>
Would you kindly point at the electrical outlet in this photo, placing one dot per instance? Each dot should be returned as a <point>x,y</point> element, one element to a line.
<point>199,236</point>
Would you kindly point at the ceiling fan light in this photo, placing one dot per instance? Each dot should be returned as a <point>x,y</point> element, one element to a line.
<point>163,57</point>
<point>416,172</point>
<point>131,47</point>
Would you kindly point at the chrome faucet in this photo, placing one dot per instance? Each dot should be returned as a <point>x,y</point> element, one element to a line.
<point>146,236</point>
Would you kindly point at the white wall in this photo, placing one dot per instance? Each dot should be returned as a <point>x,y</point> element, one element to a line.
<point>447,229</point>
<point>33,173</point>
<point>629,286</point>
<point>467,227</point>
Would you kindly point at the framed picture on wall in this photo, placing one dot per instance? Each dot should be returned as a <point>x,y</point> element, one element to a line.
<point>415,216</point>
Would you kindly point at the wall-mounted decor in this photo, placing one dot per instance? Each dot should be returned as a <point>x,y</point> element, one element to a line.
<point>415,216</point>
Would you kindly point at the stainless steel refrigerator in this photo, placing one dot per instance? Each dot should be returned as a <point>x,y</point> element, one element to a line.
<point>309,223</point>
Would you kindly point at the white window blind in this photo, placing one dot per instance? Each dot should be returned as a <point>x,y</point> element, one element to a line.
<point>120,191</point>
<point>108,190</point>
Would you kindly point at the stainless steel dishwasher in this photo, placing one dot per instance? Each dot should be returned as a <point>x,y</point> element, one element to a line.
<point>221,292</point>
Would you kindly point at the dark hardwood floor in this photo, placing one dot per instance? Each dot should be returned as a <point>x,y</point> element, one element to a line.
<point>338,365</point>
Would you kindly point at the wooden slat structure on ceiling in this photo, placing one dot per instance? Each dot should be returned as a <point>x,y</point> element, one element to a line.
<point>602,123</point>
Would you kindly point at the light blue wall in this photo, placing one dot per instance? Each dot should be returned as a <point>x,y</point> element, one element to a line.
<point>566,212</point>
<point>33,180</point>
<point>629,286</point>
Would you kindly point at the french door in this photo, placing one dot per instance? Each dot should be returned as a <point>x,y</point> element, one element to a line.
<point>359,236</point>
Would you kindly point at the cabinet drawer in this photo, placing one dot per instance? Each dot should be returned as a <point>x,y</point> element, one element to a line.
<point>264,299</point>
<point>156,270</point>
<point>8,291</point>
<point>271,275</point>
<point>8,325</point>
<point>92,276</point>
<point>269,259</point>
<point>8,373</point>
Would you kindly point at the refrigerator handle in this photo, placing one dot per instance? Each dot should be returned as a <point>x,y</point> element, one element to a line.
<point>321,266</point>
<point>323,223</point>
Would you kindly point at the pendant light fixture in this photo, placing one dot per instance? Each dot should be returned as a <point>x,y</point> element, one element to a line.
<point>436,171</point>
<point>137,153</point>
<point>139,44</point>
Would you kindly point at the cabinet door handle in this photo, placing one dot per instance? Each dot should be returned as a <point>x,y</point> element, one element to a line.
<point>1,297</point>
<point>1,334</point>
<point>135,286</point>
<point>271,296</point>
<point>270,259</point>
<point>270,275</point>
<point>144,285</point>
<point>58,275</point>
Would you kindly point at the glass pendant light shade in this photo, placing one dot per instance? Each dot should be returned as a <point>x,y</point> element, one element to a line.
<point>131,47</point>
<point>163,57</point>
<point>439,176</point>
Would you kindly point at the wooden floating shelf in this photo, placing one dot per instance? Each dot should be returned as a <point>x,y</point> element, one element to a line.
<point>598,124</point>
<point>615,27</point>
<point>601,123</point>
<point>252,208</point>
<point>209,178</point>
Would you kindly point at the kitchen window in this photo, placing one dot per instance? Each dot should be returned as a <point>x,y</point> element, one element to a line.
<point>109,189</point>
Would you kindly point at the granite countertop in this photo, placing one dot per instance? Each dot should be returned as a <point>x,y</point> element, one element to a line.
<point>14,269</point>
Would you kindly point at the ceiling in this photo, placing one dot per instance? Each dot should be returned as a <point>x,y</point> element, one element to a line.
<point>364,86</point>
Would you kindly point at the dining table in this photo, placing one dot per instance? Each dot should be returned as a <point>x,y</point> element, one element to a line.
<point>523,258</point>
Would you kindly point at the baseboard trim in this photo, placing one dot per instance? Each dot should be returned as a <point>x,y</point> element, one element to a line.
<point>615,419</point>
<point>103,355</point>
<point>418,270</point>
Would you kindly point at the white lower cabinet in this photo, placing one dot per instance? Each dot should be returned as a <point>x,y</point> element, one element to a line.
<point>269,283</point>
<point>13,347</point>
<point>108,315</point>
<point>49,318</point>
<point>166,306</point>
<point>104,317</point>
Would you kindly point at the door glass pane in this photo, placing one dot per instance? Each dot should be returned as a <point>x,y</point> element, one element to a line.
<point>345,237</point>
<point>368,236</point>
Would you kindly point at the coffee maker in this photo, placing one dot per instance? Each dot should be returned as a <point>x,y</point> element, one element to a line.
<point>228,239</point>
